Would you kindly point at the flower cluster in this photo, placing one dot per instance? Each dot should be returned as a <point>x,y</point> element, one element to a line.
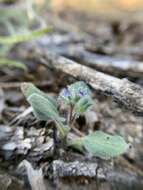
<point>74,92</point>
<point>76,95</point>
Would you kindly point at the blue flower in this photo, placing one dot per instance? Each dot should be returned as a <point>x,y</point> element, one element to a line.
<point>65,92</point>
<point>82,93</point>
<point>64,96</point>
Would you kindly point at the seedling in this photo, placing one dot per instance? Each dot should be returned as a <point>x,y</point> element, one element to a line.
<point>76,99</point>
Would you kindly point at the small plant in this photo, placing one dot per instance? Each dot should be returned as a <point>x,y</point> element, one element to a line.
<point>76,99</point>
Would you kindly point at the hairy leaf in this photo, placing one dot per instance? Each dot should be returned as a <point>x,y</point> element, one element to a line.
<point>28,89</point>
<point>44,107</point>
<point>103,145</point>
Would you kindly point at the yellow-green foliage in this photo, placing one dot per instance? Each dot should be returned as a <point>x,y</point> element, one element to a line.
<point>17,38</point>
<point>4,62</point>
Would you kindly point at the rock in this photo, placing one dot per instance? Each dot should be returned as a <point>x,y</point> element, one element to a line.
<point>11,146</point>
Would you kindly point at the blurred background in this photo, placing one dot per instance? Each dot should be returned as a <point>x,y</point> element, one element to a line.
<point>98,5</point>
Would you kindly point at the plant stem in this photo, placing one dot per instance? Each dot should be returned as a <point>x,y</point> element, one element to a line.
<point>70,113</point>
<point>77,132</point>
<point>71,120</point>
<point>97,180</point>
<point>60,127</point>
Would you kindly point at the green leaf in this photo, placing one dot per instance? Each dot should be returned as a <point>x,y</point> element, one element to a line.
<point>28,89</point>
<point>82,105</point>
<point>43,110</point>
<point>103,145</point>
<point>4,62</point>
<point>23,37</point>
<point>44,107</point>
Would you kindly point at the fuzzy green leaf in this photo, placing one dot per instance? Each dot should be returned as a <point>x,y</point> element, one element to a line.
<point>28,89</point>
<point>43,111</point>
<point>44,107</point>
<point>103,145</point>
